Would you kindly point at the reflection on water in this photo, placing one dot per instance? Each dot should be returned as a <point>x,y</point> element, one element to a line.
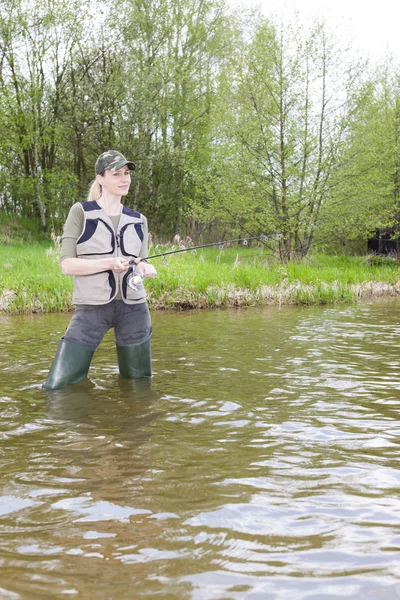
<point>261,462</point>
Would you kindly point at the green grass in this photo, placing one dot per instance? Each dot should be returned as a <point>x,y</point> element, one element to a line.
<point>31,279</point>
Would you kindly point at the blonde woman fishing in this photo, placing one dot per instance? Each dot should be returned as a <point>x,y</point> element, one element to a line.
<point>101,237</point>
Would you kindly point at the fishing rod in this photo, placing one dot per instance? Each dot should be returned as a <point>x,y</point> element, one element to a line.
<point>138,259</point>
<point>135,280</point>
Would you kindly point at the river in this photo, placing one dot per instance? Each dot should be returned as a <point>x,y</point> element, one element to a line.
<point>262,462</point>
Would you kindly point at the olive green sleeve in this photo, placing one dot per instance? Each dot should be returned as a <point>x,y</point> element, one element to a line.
<point>144,250</point>
<point>72,230</point>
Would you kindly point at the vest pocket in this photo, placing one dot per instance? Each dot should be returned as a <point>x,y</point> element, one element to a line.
<point>98,288</point>
<point>97,238</point>
<point>131,243</point>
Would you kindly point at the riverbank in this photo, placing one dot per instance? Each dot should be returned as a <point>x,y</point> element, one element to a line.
<point>31,280</point>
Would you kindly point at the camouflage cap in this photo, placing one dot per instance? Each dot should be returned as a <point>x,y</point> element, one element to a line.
<point>112,161</point>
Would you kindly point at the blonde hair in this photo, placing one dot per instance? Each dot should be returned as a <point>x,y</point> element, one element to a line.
<point>94,191</point>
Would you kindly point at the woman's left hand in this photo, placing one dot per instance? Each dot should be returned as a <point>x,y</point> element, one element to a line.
<point>146,270</point>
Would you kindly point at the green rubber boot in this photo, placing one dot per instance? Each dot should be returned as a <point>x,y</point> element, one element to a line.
<point>70,365</point>
<point>134,361</point>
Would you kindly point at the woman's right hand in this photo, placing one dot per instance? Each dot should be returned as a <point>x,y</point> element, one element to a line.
<point>118,264</point>
<point>86,266</point>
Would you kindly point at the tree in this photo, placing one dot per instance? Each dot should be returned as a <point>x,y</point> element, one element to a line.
<point>287,121</point>
<point>35,38</point>
<point>365,189</point>
<point>173,47</point>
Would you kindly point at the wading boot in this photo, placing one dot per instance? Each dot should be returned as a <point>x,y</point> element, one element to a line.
<point>70,365</point>
<point>134,361</point>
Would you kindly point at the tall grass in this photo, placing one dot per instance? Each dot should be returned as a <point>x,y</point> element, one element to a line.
<point>31,279</point>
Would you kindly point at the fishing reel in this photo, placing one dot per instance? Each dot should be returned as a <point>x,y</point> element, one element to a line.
<point>134,280</point>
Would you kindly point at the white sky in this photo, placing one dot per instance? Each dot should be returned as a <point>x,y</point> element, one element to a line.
<point>373,25</point>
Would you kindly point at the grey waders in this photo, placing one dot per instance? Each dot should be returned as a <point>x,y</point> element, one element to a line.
<point>70,365</point>
<point>134,361</point>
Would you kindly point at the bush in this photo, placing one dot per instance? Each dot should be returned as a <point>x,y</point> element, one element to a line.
<point>378,260</point>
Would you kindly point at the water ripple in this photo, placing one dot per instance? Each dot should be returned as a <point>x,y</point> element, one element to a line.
<point>268,472</point>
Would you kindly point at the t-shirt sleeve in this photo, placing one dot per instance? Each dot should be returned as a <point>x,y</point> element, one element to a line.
<point>144,251</point>
<point>72,230</point>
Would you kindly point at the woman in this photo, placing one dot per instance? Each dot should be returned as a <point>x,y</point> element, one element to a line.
<point>100,237</point>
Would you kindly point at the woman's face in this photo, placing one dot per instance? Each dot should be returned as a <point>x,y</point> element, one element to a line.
<point>116,183</point>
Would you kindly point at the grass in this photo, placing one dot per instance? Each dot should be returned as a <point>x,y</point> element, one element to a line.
<point>31,279</point>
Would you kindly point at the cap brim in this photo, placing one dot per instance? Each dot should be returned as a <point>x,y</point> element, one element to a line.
<point>131,166</point>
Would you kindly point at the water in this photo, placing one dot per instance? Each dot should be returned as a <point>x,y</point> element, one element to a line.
<point>262,463</point>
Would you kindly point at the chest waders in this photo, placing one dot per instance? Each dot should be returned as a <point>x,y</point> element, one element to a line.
<point>134,361</point>
<point>72,360</point>
<point>70,365</point>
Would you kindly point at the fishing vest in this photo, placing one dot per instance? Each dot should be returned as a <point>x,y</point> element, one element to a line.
<point>98,240</point>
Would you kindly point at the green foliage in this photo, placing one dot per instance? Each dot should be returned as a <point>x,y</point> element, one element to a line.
<point>365,190</point>
<point>377,260</point>
<point>280,136</point>
<point>67,94</point>
<point>18,230</point>
<point>238,124</point>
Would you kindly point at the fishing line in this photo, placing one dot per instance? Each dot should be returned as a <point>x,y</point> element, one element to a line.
<point>245,241</point>
<point>134,280</point>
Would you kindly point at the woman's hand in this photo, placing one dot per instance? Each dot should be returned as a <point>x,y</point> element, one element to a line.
<point>87,266</point>
<point>118,264</point>
<point>146,270</point>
